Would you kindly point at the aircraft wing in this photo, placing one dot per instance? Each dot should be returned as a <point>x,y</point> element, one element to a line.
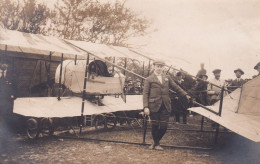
<point>71,106</point>
<point>240,112</point>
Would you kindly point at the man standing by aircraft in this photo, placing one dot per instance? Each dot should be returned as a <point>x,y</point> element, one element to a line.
<point>214,91</point>
<point>238,82</point>
<point>157,103</point>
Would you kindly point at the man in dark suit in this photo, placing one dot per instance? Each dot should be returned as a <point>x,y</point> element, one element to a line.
<point>238,82</point>
<point>157,103</point>
<point>179,106</point>
<point>200,90</point>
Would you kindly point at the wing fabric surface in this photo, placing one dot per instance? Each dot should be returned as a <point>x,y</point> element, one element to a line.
<point>240,112</point>
<point>71,106</point>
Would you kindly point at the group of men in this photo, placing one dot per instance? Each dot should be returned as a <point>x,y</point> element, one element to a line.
<point>156,95</point>
<point>133,86</point>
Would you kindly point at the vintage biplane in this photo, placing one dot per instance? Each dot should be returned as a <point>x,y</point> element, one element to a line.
<point>81,69</point>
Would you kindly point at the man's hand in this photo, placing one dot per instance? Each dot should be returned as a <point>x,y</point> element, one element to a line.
<point>146,111</point>
<point>188,98</point>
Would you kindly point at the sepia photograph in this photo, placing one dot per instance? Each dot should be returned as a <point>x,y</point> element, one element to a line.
<point>130,81</point>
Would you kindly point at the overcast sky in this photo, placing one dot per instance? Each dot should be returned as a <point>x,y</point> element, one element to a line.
<point>224,34</point>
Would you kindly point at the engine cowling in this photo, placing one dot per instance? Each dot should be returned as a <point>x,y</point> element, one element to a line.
<point>99,81</point>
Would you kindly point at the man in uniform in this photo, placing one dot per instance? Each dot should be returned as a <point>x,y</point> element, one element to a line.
<point>214,91</point>
<point>156,101</point>
<point>238,82</point>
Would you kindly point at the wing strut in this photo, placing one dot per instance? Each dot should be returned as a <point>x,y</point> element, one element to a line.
<point>83,96</point>
<point>135,74</point>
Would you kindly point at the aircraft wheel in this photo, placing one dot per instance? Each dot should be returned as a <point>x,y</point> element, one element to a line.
<point>47,126</point>
<point>32,129</point>
<point>110,121</point>
<point>98,121</point>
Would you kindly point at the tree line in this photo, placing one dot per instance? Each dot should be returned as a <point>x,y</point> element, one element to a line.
<point>86,20</point>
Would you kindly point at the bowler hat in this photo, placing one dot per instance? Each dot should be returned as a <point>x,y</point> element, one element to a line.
<point>158,62</point>
<point>216,70</point>
<point>179,74</point>
<point>257,65</point>
<point>239,70</point>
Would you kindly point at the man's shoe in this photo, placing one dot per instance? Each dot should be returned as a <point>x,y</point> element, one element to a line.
<point>152,146</point>
<point>158,147</point>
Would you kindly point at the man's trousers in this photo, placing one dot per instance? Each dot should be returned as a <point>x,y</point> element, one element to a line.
<point>159,124</point>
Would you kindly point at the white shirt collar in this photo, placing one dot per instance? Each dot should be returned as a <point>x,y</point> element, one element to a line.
<point>159,77</point>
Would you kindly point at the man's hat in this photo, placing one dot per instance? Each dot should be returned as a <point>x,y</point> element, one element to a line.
<point>158,62</point>
<point>257,65</point>
<point>239,70</point>
<point>201,75</point>
<point>216,71</point>
<point>179,74</point>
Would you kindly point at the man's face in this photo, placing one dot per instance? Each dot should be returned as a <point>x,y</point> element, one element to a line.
<point>238,74</point>
<point>158,68</point>
<point>204,78</point>
<point>217,75</point>
<point>179,77</point>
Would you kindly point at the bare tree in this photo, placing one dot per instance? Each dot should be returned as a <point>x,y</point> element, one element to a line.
<point>27,16</point>
<point>9,14</point>
<point>33,17</point>
<point>109,23</point>
<point>88,20</point>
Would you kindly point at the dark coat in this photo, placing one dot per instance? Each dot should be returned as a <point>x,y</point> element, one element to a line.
<point>155,93</point>
<point>200,92</point>
<point>235,84</point>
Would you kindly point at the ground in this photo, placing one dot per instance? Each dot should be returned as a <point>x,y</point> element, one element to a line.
<point>65,147</point>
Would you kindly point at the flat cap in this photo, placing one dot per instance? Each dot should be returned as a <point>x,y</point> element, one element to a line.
<point>158,62</point>
<point>239,70</point>
<point>257,65</point>
<point>216,70</point>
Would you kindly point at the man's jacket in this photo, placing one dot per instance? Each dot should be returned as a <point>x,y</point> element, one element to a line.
<point>156,93</point>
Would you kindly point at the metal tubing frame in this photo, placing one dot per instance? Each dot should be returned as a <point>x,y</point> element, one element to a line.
<point>241,90</point>
<point>175,69</point>
<point>202,123</point>
<point>131,72</point>
<point>49,69</point>
<point>142,81</point>
<point>125,65</point>
<point>40,74</point>
<point>75,60</point>
<point>149,67</point>
<point>145,129</point>
<point>61,65</point>
<point>219,113</point>
<point>83,94</point>
<point>168,70</point>
<point>136,143</point>
<point>113,67</point>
